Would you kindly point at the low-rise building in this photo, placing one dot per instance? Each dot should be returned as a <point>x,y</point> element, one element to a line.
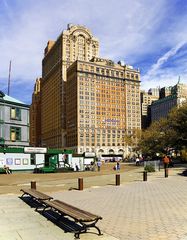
<point>14,122</point>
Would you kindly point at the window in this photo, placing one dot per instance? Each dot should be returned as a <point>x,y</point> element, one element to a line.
<point>15,113</point>
<point>15,133</point>
<point>92,68</point>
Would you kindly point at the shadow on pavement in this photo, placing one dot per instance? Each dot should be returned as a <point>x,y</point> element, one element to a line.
<point>29,201</point>
<point>183,173</point>
<point>72,188</point>
<point>66,224</point>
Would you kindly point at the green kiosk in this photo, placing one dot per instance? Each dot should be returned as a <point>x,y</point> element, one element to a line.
<point>35,159</point>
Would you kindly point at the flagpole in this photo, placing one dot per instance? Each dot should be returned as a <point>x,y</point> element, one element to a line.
<point>9,78</point>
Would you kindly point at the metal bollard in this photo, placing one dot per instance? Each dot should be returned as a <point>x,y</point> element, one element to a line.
<point>80,183</point>
<point>145,176</point>
<point>117,179</point>
<point>33,184</point>
<point>166,172</point>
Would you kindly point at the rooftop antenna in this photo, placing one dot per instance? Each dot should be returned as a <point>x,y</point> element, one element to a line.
<point>9,77</point>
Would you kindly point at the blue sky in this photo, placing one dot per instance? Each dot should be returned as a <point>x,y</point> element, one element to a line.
<point>150,35</point>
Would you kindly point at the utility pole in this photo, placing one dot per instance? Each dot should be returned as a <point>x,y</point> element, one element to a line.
<point>9,78</point>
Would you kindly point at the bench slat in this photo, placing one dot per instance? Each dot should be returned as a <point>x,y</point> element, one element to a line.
<point>71,211</point>
<point>36,194</point>
<point>77,210</point>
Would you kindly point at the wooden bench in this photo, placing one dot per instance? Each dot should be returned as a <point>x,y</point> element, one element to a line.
<point>85,219</point>
<point>35,195</point>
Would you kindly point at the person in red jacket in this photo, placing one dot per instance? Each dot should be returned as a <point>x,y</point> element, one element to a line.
<point>166,161</point>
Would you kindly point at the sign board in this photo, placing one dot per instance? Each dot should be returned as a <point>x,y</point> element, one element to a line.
<point>89,154</point>
<point>35,150</point>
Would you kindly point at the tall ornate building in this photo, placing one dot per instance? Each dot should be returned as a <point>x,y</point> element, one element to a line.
<point>103,106</point>
<point>75,43</point>
<point>88,103</point>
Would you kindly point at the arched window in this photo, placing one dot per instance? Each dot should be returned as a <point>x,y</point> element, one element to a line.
<point>120,151</point>
<point>100,151</point>
<point>111,151</point>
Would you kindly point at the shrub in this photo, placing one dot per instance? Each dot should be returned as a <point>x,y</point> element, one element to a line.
<point>184,155</point>
<point>149,168</point>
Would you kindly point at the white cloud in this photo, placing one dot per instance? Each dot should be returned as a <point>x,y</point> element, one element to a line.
<point>165,79</point>
<point>28,31</point>
<point>127,30</point>
<point>160,75</point>
<point>154,69</point>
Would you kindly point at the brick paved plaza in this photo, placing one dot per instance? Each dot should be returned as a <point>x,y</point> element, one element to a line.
<point>135,210</point>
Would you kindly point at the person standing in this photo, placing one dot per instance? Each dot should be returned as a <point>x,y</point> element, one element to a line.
<point>117,166</point>
<point>137,161</point>
<point>77,168</point>
<point>99,165</point>
<point>166,161</point>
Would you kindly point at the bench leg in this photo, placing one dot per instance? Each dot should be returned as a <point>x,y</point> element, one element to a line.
<point>85,227</point>
<point>23,195</point>
<point>45,207</point>
<point>76,235</point>
<point>31,197</point>
<point>98,230</point>
<point>40,205</point>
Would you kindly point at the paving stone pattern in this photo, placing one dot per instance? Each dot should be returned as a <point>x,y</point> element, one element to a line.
<point>156,209</point>
<point>152,210</point>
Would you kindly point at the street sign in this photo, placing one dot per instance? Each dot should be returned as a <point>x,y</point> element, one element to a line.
<point>35,150</point>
